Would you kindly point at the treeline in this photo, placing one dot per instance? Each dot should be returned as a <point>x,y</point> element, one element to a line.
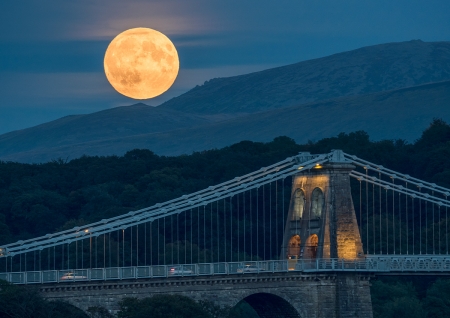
<point>25,302</point>
<point>412,297</point>
<point>36,199</point>
<point>42,198</point>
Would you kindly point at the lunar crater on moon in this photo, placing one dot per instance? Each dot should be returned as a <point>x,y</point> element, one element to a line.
<point>141,63</point>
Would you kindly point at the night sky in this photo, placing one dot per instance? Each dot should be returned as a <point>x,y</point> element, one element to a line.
<point>51,51</point>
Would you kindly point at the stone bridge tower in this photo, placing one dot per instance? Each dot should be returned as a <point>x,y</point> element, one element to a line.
<point>321,221</point>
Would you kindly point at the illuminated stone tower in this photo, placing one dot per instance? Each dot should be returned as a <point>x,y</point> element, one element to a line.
<point>321,221</point>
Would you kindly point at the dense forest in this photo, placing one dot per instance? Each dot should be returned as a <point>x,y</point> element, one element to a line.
<point>44,198</point>
<point>36,199</point>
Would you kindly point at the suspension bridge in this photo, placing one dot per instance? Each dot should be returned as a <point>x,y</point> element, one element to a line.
<point>306,216</point>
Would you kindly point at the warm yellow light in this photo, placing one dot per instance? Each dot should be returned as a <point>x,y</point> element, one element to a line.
<point>141,63</point>
<point>85,231</point>
<point>318,166</point>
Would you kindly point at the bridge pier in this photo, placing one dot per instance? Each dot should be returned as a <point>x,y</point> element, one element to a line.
<point>321,221</point>
<point>327,295</point>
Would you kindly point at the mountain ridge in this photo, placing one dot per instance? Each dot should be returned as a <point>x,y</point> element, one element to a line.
<point>409,120</point>
<point>360,71</point>
<point>230,107</point>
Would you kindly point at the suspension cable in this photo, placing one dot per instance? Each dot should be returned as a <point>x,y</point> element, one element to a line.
<point>439,229</point>
<point>137,245</point>
<point>446,228</point>
<point>379,214</point>
<point>284,199</point>
<point>393,213</point>
<point>158,234</point>
<point>238,228</point>
<point>225,231</point>
<point>367,213</point>
<point>420,225</point>
<point>373,217</point>
<point>198,234</point>
<point>400,221</point>
<point>231,230</point>
<point>360,203</point>
<point>276,218</point>
<point>251,224</point>
<point>217,231</point>
<point>264,222</point>
<point>204,234</point>
<point>270,221</point>
<point>245,229</point>
<point>387,222</point>
<point>257,225</point>
<point>433,222</point>
<point>413,225</point>
<point>211,234</point>
<point>426,227</point>
<point>432,207</point>
<point>407,221</point>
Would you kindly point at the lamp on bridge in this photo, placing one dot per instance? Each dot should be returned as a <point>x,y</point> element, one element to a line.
<point>3,251</point>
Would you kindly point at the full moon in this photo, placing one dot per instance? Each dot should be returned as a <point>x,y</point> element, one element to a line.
<point>141,63</point>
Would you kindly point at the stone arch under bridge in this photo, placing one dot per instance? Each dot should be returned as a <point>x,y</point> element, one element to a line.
<point>265,305</point>
<point>308,295</point>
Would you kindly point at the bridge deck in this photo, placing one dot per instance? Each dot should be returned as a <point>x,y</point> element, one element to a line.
<point>377,264</point>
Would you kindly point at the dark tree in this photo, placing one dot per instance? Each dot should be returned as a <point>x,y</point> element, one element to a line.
<point>161,306</point>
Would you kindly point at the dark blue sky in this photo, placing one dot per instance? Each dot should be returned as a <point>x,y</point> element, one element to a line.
<point>51,52</point>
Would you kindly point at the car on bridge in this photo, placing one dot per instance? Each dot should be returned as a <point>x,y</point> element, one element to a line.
<point>180,271</point>
<point>249,269</point>
<point>72,276</point>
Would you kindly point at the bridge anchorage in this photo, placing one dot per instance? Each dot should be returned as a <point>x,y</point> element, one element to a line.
<point>299,238</point>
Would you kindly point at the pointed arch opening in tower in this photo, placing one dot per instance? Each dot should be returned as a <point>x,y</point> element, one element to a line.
<point>311,246</point>
<point>294,247</point>
<point>317,201</point>
<point>299,205</point>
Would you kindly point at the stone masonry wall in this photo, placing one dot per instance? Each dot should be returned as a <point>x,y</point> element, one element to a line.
<point>321,295</point>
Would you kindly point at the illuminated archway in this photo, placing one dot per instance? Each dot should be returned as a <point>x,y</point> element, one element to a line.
<point>311,246</point>
<point>294,247</point>
<point>299,205</point>
<point>316,203</point>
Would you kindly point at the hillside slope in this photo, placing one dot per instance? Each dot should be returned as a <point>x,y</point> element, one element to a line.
<point>366,70</point>
<point>227,110</point>
<point>402,113</point>
<point>111,123</point>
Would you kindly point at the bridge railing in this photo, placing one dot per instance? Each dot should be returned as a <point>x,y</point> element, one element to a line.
<point>376,264</point>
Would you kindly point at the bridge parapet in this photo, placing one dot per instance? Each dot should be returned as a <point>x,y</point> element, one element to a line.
<point>375,264</point>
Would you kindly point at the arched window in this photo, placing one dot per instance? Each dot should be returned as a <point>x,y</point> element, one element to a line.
<point>299,204</point>
<point>294,247</point>
<point>311,246</point>
<point>316,203</point>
